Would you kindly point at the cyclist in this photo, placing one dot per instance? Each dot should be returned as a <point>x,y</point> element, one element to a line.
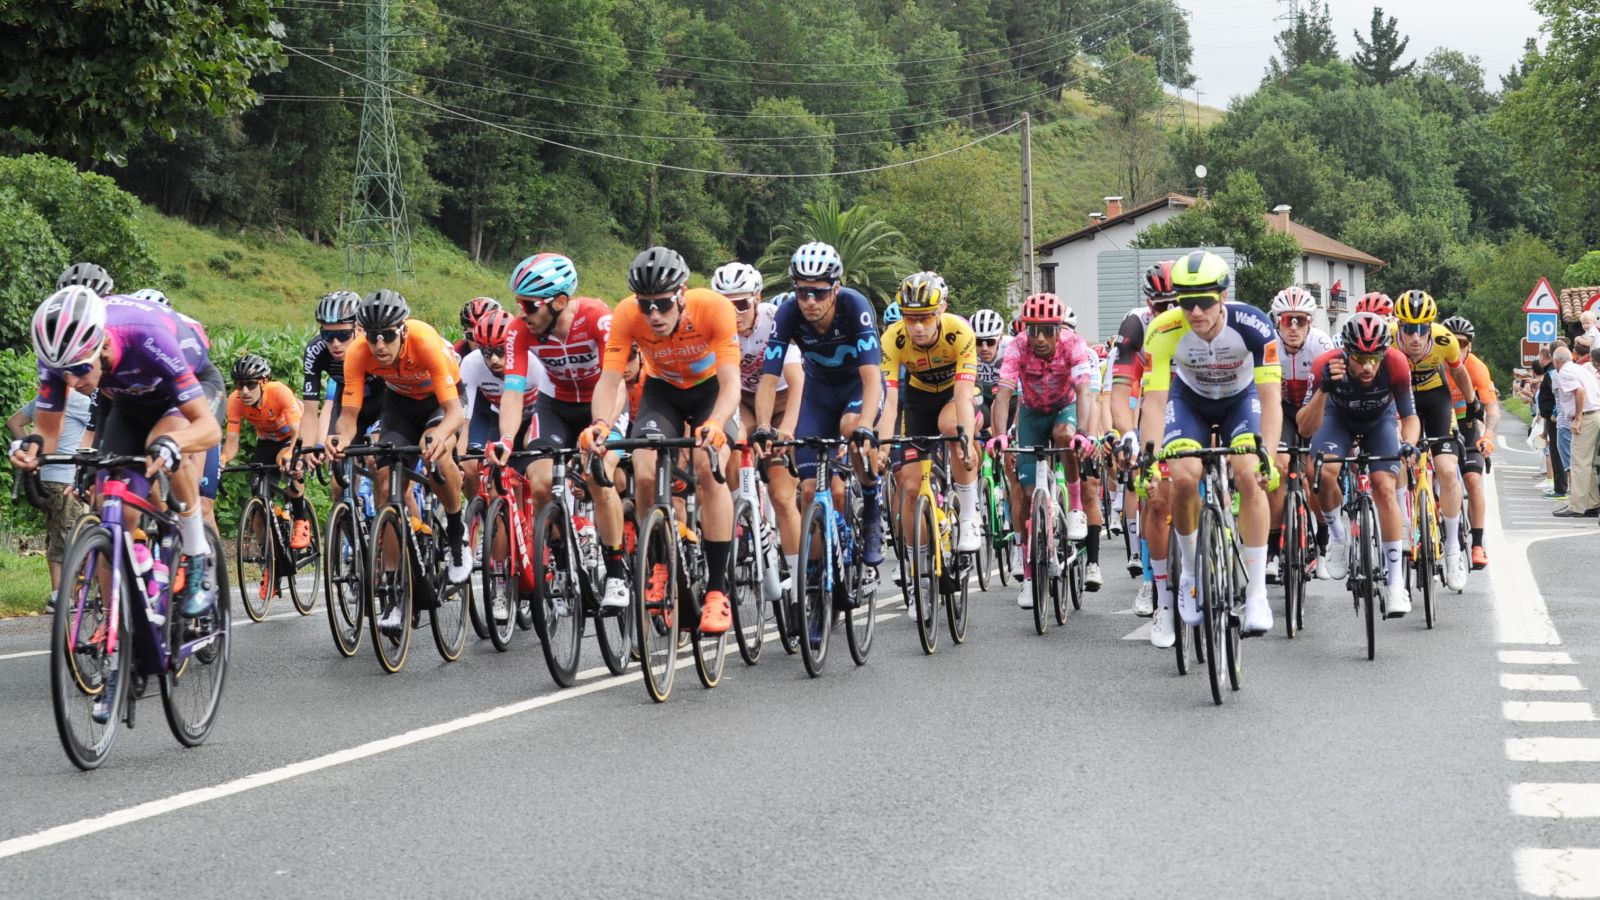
<point>323,363</point>
<point>211,473</point>
<point>741,283</point>
<point>156,386</point>
<point>1433,350</point>
<point>992,343</point>
<point>1226,358</point>
<point>89,275</point>
<point>1361,393</point>
<point>689,338</point>
<point>471,312</point>
<point>483,373</point>
<point>1478,436</point>
<point>1053,371</point>
<point>1129,363</point>
<point>422,406</point>
<point>836,330</point>
<point>939,356</point>
<point>1299,345</point>
<point>567,335</point>
<point>272,410</point>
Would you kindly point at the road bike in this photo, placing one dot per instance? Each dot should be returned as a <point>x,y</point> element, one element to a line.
<point>997,531</point>
<point>1425,531</point>
<point>758,567</point>
<point>265,558</point>
<point>344,566</point>
<point>1048,554</point>
<point>1368,568</point>
<point>114,624</point>
<point>938,574</point>
<point>1297,549</point>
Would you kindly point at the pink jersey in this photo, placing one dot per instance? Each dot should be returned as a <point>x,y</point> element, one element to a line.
<point>1047,384</point>
<point>573,364</point>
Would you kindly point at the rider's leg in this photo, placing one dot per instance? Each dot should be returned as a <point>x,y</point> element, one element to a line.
<point>1445,466</point>
<point>1275,500</point>
<point>1390,524</point>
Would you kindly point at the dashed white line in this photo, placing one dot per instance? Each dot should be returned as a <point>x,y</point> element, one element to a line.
<point>1559,872</point>
<point>1546,711</point>
<point>1529,681</point>
<point>1556,801</point>
<point>1535,658</point>
<point>1553,749</point>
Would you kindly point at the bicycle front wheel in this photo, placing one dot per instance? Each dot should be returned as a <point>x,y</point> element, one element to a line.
<point>558,598</point>
<point>656,603</point>
<point>498,577</point>
<point>83,667</point>
<point>861,620</point>
<point>1291,557</point>
<point>255,557</point>
<point>813,591</point>
<point>1365,574</point>
<point>344,571</point>
<point>305,579</point>
<point>924,549</point>
<point>191,688</point>
<point>1040,556</point>
<point>745,582</point>
<point>478,609</point>
<point>389,578</point>
<point>956,576</point>
<point>1428,552</point>
<point>987,516</point>
<point>1068,557</point>
<point>1211,562</point>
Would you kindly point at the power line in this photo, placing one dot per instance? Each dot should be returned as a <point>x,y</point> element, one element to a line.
<point>660,165</point>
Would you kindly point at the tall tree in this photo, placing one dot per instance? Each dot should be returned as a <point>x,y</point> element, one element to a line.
<point>1235,217</point>
<point>867,244</point>
<point>1127,85</point>
<point>1307,41</point>
<point>1380,51</point>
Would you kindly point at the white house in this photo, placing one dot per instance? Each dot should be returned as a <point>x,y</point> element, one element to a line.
<point>1069,266</point>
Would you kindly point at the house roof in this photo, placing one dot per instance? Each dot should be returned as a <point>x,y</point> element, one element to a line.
<point>1311,241</point>
<point>1180,201</point>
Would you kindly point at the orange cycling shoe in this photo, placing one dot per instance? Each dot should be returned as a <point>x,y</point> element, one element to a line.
<point>714,616</point>
<point>1480,559</point>
<point>656,590</point>
<point>300,538</point>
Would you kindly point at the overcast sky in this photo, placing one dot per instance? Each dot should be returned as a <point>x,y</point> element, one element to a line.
<point>1233,38</point>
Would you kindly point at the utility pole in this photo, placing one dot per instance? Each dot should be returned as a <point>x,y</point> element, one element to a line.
<point>1027,205</point>
<point>377,241</point>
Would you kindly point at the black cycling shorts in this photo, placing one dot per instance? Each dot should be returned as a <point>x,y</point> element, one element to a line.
<point>1471,457</point>
<point>665,409</point>
<point>125,429</point>
<point>406,418</point>
<point>560,421</point>
<point>1438,415</point>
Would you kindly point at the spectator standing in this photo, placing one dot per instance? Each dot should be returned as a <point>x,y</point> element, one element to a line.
<point>1579,394</point>
<point>61,507</point>
<point>1545,369</point>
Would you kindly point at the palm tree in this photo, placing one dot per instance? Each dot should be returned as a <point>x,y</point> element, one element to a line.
<point>867,244</point>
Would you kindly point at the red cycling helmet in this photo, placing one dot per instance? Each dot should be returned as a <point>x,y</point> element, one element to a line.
<point>1376,302</point>
<point>491,329</point>
<point>477,308</point>
<point>1365,332</point>
<point>1158,282</point>
<point>1041,309</point>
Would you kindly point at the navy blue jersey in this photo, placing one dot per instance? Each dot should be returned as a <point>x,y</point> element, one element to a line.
<point>835,355</point>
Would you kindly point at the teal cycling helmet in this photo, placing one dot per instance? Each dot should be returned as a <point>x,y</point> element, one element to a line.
<point>891,314</point>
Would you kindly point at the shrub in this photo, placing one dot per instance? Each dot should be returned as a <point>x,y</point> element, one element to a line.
<point>30,260</point>
<point>91,217</point>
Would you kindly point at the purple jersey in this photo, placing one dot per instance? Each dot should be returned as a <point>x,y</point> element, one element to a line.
<point>154,353</point>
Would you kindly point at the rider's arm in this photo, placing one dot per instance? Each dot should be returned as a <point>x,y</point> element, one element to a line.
<point>767,398</point>
<point>515,385</point>
<point>871,393</point>
<point>605,406</point>
<point>202,431</point>
<point>1463,380</point>
<point>794,375</point>
<point>869,353</point>
<point>728,381</point>
<point>1002,408</point>
<point>1161,339</point>
<point>356,365</point>
<point>311,393</point>
<point>18,423</point>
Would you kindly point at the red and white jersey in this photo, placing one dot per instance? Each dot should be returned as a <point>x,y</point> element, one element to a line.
<point>1297,365</point>
<point>572,365</point>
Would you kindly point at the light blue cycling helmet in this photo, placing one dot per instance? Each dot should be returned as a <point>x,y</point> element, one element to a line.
<point>151,295</point>
<point>891,314</point>
<point>544,275</point>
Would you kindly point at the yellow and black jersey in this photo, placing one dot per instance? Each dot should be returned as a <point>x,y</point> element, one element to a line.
<point>952,358</point>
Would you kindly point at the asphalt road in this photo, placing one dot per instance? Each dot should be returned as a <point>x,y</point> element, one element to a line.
<point>1079,763</point>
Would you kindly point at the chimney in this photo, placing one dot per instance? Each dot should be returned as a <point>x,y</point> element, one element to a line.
<point>1097,217</point>
<point>1113,207</point>
<point>1282,212</point>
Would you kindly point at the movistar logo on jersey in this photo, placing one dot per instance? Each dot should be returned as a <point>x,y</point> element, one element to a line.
<point>867,342</point>
<point>832,361</point>
<point>774,352</point>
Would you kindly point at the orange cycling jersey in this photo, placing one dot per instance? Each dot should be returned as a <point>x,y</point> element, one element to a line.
<point>426,365</point>
<point>706,338</point>
<point>1481,383</point>
<point>274,418</point>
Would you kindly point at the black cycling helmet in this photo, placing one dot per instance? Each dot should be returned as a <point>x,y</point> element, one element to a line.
<point>338,308</point>
<point>87,274</point>
<point>658,270</point>
<point>251,368</point>
<point>1460,325</point>
<point>382,309</point>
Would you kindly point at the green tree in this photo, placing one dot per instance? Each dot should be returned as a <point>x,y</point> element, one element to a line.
<point>866,243</point>
<point>88,214</point>
<point>1307,41</point>
<point>1235,217</point>
<point>90,79</point>
<point>1584,272</point>
<point>781,137</point>
<point>30,260</point>
<point>1379,55</point>
<point>1498,284</point>
<point>1460,70</point>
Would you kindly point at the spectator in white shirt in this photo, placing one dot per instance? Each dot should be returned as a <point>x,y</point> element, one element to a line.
<point>1578,392</point>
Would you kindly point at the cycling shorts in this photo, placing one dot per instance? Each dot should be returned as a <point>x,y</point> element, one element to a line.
<point>1290,439</point>
<point>1378,437</point>
<point>484,428</point>
<point>128,422</point>
<point>1192,417</point>
<point>405,418</point>
<point>665,409</point>
<point>1438,415</point>
<point>1472,462</point>
<point>1034,429</point>
<point>371,408</point>
<point>822,405</point>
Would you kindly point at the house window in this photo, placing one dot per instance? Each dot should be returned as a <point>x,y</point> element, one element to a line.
<point>1331,277</point>
<point>1047,279</point>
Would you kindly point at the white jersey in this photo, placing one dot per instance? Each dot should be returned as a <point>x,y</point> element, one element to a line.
<point>480,384</point>
<point>1297,365</point>
<point>753,351</point>
<point>989,372</point>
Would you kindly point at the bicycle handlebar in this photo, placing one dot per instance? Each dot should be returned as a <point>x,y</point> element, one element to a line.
<point>662,442</point>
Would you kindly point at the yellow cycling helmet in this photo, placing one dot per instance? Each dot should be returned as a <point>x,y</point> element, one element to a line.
<point>1199,273</point>
<point>922,292</point>
<point>1415,308</point>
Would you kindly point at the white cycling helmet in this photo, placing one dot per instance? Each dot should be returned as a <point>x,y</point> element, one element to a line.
<point>816,261</point>
<point>69,327</point>
<point>151,295</point>
<point>986,323</point>
<point>736,278</point>
<point>1069,318</point>
<point>1293,299</point>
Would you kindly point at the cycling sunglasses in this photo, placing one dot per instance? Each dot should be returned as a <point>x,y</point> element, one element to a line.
<point>1416,329</point>
<point>742,304</point>
<point>1285,321</point>
<point>249,385</point>
<point>987,342</point>
<point>661,305</point>
<point>814,294</point>
<point>338,335</point>
<point>497,352</point>
<point>1043,329</point>
<point>79,370</point>
<point>385,336</point>
<point>531,304</point>
<point>1198,301</point>
<point>1366,359</point>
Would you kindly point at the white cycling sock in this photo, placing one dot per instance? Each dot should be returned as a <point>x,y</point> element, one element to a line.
<point>193,530</point>
<point>1255,569</point>
<point>1452,535</point>
<point>967,496</point>
<point>794,562</point>
<point>1391,555</point>
<point>1335,525</point>
<point>1158,571</point>
<point>1186,548</point>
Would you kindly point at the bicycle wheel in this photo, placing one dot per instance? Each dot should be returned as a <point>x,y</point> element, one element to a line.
<point>1211,574</point>
<point>82,666</point>
<point>479,608</point>
<point>498,578</point>
<point>957,571</point>
<point>1427,557</point>
<point>306,564</point>
<point>1068,558</point>
<point>1180,631</point>
<point>1365,575</point>
<point>1289,558</point>
<point>613,628</point>
<point>812,591</point>
<point>448,620</point>
<point>255,557</point>
<point>191,688</point>
<point>924,582</point>
<point>860,621</point>
<point>710,657</point>
<point>389,575</point>
<point>1040,556</point>
<point>558,598</point>
<point>656,603</point>
<point>745,583</point>
<point>343,571</point>
<point>986,518</point>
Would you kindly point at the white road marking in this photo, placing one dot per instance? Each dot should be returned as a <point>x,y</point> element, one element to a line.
<point>1546,711</point>
<point>1520,614</point>
<point>1529,681</point>
<point>25,654</point>
<point>1556,801</point>
<point>1553,749</point>
<point>1535,658</point>
<point>1559,872</point>
<point>1142,633</point>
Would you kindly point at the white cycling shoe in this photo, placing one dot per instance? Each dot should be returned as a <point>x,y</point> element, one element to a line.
<point>1092,577</point>
<point>1188,600</point>
<point>458,563</point>
<point>1016,556</point>
<point>1025,596</point>
<point>1455,572</point>
<point>1077,525</point>
<point>1162,632</point>
<point>1257,616</point>
<point>1145,603</point>
<point>498,610</point>
<point>1336,563</point>
<point>969,536</point>
<point>1396,600</point>
<point>616,594</point>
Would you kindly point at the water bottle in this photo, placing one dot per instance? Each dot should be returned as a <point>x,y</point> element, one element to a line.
<point>143,571</point>
<point>364,494</point>
<point>843,528</point>
<point>588,543</point>
<point>771,588</point>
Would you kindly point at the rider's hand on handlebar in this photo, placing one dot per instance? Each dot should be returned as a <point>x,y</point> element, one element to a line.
<point>864,436</point>
<point>594,436</point>
<point>1486,445</point>
<point>999,443</point>
<point>498,452</point>
<point>761,439</point>
<point>335,447</point>
<point>711,433</point>
<point>436,446</point>
<point>164,454</point>
<point>1336,369</point>
<point>24,453</point>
